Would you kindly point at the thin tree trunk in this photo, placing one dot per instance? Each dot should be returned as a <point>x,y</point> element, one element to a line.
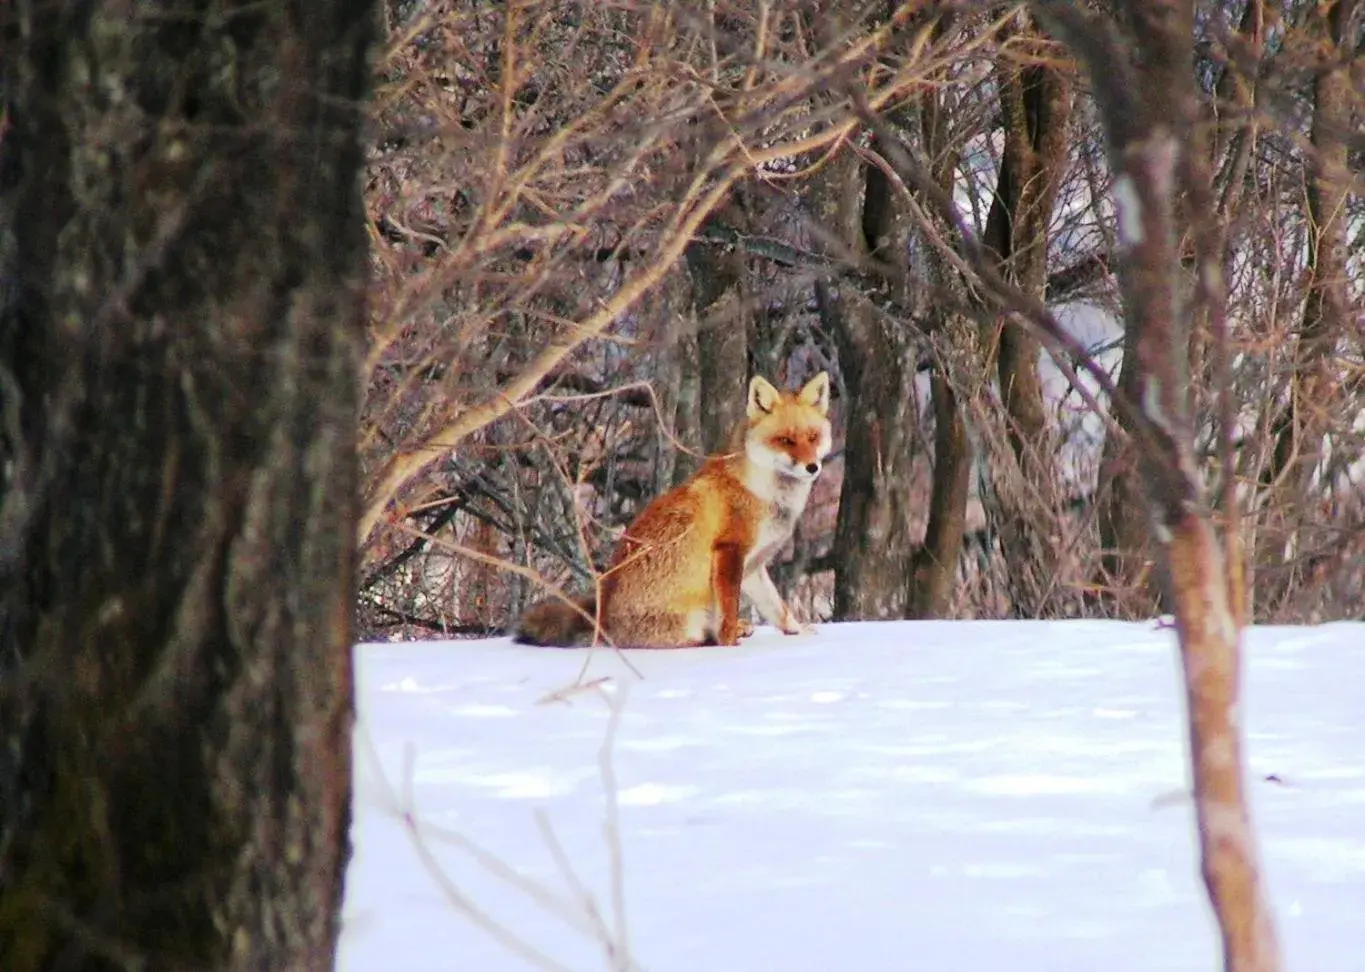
<point>934,566</point>
<point>935,563</point>
<point>1315,391</point>
<point>1327,308</point>
<point>1211,663</point>
<point>1234,146</point>
<point>1036,105</point>
<point>1126,582</point>
<point>1144,84</point>
<point>179,380</point>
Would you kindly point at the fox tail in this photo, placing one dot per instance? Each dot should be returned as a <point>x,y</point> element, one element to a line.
<point>553,623</point>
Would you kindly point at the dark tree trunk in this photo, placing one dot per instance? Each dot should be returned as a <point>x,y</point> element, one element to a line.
<point>1315,400</point>
<point>873,549</point>
<point>934,567</point>
<point>935,563</point>
<point>184,261</point>
<point>1126,581</point>
<point>1036,107</point>
<point>1035,103</point>
<point>675,386</point>
<point>718,295</point>
<point>1130,581</point>
<point>686,410</point>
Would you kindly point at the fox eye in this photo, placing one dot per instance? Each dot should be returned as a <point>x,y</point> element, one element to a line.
<point>786,441</point>
<point>812,437</point>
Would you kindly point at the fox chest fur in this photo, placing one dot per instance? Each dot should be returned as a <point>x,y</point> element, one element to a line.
<point>783,506</point>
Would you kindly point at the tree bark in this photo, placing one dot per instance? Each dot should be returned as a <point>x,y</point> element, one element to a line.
<point>675,387</point>
<point>872,549</point>
<point>1144,84</point>
<point>935,563</point>
<point>1035,101</point>
<point>1036,107</point>
<point>1125,582</point>
<point>722,336</point>
<point>687,410</point>
<point>179,353</point>
<point>1314,403</point>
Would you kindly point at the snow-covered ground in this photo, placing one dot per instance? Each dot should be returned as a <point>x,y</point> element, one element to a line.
<point>931,796</point>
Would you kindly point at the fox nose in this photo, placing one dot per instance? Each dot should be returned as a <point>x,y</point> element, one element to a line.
<point>812,468</point>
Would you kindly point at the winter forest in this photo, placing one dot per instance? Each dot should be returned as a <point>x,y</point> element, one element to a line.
<point>589,229</point>
<point>371,322</point>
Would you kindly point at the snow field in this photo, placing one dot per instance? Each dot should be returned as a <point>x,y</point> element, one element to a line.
<point>907,795</point>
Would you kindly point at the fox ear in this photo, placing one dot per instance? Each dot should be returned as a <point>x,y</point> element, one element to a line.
<point>762,396</point>
<point>816,393</point>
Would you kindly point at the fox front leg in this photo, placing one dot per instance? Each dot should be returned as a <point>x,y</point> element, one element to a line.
<point>727,574</point>
<point>760,589</point>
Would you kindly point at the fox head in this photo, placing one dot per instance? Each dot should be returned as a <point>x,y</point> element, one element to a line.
<point>789,432</point>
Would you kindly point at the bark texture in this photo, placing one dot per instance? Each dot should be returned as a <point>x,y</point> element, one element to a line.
<point>1318,395</point>
<point>1211,665</point>
<point>718,293</point>
<point>872,549</point>
<point>935,564</point>
<point>1142,70</point>
<point>1036,105</point>
<point>184,256</point>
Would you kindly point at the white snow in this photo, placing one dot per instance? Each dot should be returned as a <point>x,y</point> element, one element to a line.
<point>914,795</point>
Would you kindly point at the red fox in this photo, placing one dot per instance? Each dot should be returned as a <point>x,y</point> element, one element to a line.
<point>676,576</point>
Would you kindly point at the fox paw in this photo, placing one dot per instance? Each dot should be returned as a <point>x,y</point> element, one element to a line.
<point>746,628</point>
<point>795,627</point>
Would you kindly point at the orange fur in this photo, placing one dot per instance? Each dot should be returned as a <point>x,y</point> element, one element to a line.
<point>677,575</point>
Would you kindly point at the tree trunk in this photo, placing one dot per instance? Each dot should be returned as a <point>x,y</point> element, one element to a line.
<point>1315,399</point>
<point>873,549</point>
<point>1125,581</point>
<point>674,386</point>
<point>180,351</point>
<point>722,335</point>
<point>935,563</point>
<point>687,410</point>
<point>1036,106</point>
<point>934,567</point>
<point>1144,84</point>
